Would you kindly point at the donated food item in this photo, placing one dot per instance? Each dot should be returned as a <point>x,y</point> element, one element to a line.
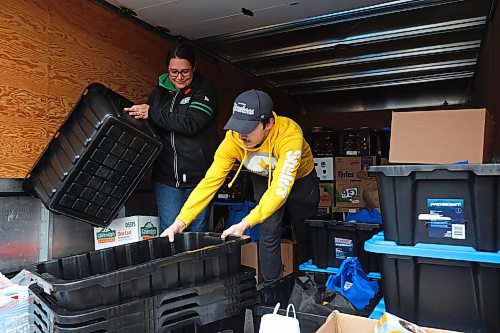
<point>389,323</point>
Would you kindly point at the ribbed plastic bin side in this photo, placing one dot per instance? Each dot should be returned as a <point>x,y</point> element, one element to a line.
<point>95,160</point>
<point>333,241</point>
<point>137,269</point>
<point>407,191</point>
<point>443,286</point>
<point>200,305</point>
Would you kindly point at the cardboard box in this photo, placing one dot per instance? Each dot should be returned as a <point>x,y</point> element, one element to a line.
<point>126,230</point>
<point>344,323</point>
<point>326,194</point>
<point>324,211</point>
<point>354,167</point>
<point>324,168</point>
<point>351,193</point>
<point>250,257</point>
<point>441,137</point>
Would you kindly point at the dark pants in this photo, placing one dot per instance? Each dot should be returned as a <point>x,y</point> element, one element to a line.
<point>302,203</point>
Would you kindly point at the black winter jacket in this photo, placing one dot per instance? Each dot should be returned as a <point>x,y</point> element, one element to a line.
<point>186,122</point>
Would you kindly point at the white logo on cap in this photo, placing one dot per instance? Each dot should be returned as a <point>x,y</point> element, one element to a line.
<point>242,108</point>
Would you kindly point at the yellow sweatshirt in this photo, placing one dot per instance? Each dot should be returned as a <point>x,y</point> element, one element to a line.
<point>284,151</point>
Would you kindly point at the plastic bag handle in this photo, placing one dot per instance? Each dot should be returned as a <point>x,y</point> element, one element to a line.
<point>276,308</point>
<point>293,308</point>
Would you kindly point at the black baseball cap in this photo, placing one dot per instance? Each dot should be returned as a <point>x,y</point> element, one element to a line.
<point>249,109</point>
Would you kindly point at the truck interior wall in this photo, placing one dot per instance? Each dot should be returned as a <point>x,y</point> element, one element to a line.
<point>52,49</point>
<point>486,91</point>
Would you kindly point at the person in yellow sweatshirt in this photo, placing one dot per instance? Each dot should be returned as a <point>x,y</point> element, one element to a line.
<point>273,149</point>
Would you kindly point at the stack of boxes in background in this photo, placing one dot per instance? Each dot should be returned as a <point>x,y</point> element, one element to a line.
<point>341,161</point>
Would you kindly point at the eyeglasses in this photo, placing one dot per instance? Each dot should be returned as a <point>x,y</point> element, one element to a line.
<point>183,72</point>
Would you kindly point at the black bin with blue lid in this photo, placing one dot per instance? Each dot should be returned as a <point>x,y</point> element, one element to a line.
<point>453,204</point>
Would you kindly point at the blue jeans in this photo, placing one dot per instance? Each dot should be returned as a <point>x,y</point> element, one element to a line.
<point>169,201</point>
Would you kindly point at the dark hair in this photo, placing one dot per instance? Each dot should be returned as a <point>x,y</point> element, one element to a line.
<point>181,50</point>
<point>266,121</point>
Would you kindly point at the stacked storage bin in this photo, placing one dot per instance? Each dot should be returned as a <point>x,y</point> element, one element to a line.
<point>195,284</point>
<point>95,159</point>
<point>440,258</point>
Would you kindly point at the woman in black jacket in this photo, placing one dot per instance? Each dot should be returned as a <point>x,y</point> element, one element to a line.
<point>183,109</point>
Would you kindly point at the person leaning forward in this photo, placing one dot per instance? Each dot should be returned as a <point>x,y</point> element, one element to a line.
<point>273,149</point>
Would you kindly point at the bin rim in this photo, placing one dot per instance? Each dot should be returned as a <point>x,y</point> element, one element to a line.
<point>400,170</point>
<point>378,244</point>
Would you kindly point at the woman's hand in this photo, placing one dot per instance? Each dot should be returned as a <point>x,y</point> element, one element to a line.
<point>139,111</point>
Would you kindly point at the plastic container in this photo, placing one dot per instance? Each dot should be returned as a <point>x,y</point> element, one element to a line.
<point>435,285</point>
<point>323,141</point>
<point>333,241</point>
<point>237,211</point>
<point>116,274</point>
<point>201,305</point>
<point>241,190</point>
<point>384,141</point>
<point>348,142</point>
<point>367,141</point>
<point>456,204</point>
<point>95,159</point>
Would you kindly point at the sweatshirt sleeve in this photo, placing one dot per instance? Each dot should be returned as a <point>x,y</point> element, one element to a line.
<point>208,186</point>
<point>282,181</point>
<point>200,113</point>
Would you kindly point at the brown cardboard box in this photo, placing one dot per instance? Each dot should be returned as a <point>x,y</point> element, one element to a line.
<point>250,257</point>
<point>324,211</point>
<point>441,137</point>
<point>326,194</point>
<point>344,323</point>
<point>354,167</point>
<point>351,193</point>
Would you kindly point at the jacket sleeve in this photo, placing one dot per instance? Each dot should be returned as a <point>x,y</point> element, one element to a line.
<point>284,174</point>
<point>214,178</point>
<point>201,111</point>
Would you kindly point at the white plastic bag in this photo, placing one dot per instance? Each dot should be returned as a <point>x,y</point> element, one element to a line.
<point>14,311</point>
<point>274,322</point>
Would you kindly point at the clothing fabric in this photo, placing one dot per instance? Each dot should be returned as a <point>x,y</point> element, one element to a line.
<point>186,123</point>
<point>249,109</point>
<point>283,157</point>
<point>302,203</point>
<point>169,201</point>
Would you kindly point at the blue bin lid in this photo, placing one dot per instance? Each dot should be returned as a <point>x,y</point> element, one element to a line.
<point>377,244</point>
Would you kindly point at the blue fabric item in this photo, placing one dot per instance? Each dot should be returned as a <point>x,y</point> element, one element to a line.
<point>169,201</point>
<point>365,215</point>
<point>352,282</point>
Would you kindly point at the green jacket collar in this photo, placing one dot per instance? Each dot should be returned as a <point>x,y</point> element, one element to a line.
<point>164,81</point>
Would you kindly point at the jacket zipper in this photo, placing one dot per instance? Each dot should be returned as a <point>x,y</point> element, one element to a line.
<point>172,139</point>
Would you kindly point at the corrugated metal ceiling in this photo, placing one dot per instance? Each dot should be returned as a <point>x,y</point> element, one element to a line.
<point>407,53</point>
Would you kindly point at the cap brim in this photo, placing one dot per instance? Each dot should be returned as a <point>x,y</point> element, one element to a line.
<point>241,126</point>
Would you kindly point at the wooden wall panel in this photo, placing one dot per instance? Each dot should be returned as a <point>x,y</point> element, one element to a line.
<point>51,50</point>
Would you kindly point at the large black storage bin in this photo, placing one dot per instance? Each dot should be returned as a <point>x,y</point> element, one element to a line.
<point>406,191</point>
<point>95,159</point>
<point>139,269</point>
<point>201,305</point>
<point>442,286</point>
<point>333,241</point>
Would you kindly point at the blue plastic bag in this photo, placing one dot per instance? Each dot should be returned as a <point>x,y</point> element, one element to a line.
<point>352,282</point>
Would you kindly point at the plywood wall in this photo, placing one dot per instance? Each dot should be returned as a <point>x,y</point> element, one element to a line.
<point>51,50</point>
